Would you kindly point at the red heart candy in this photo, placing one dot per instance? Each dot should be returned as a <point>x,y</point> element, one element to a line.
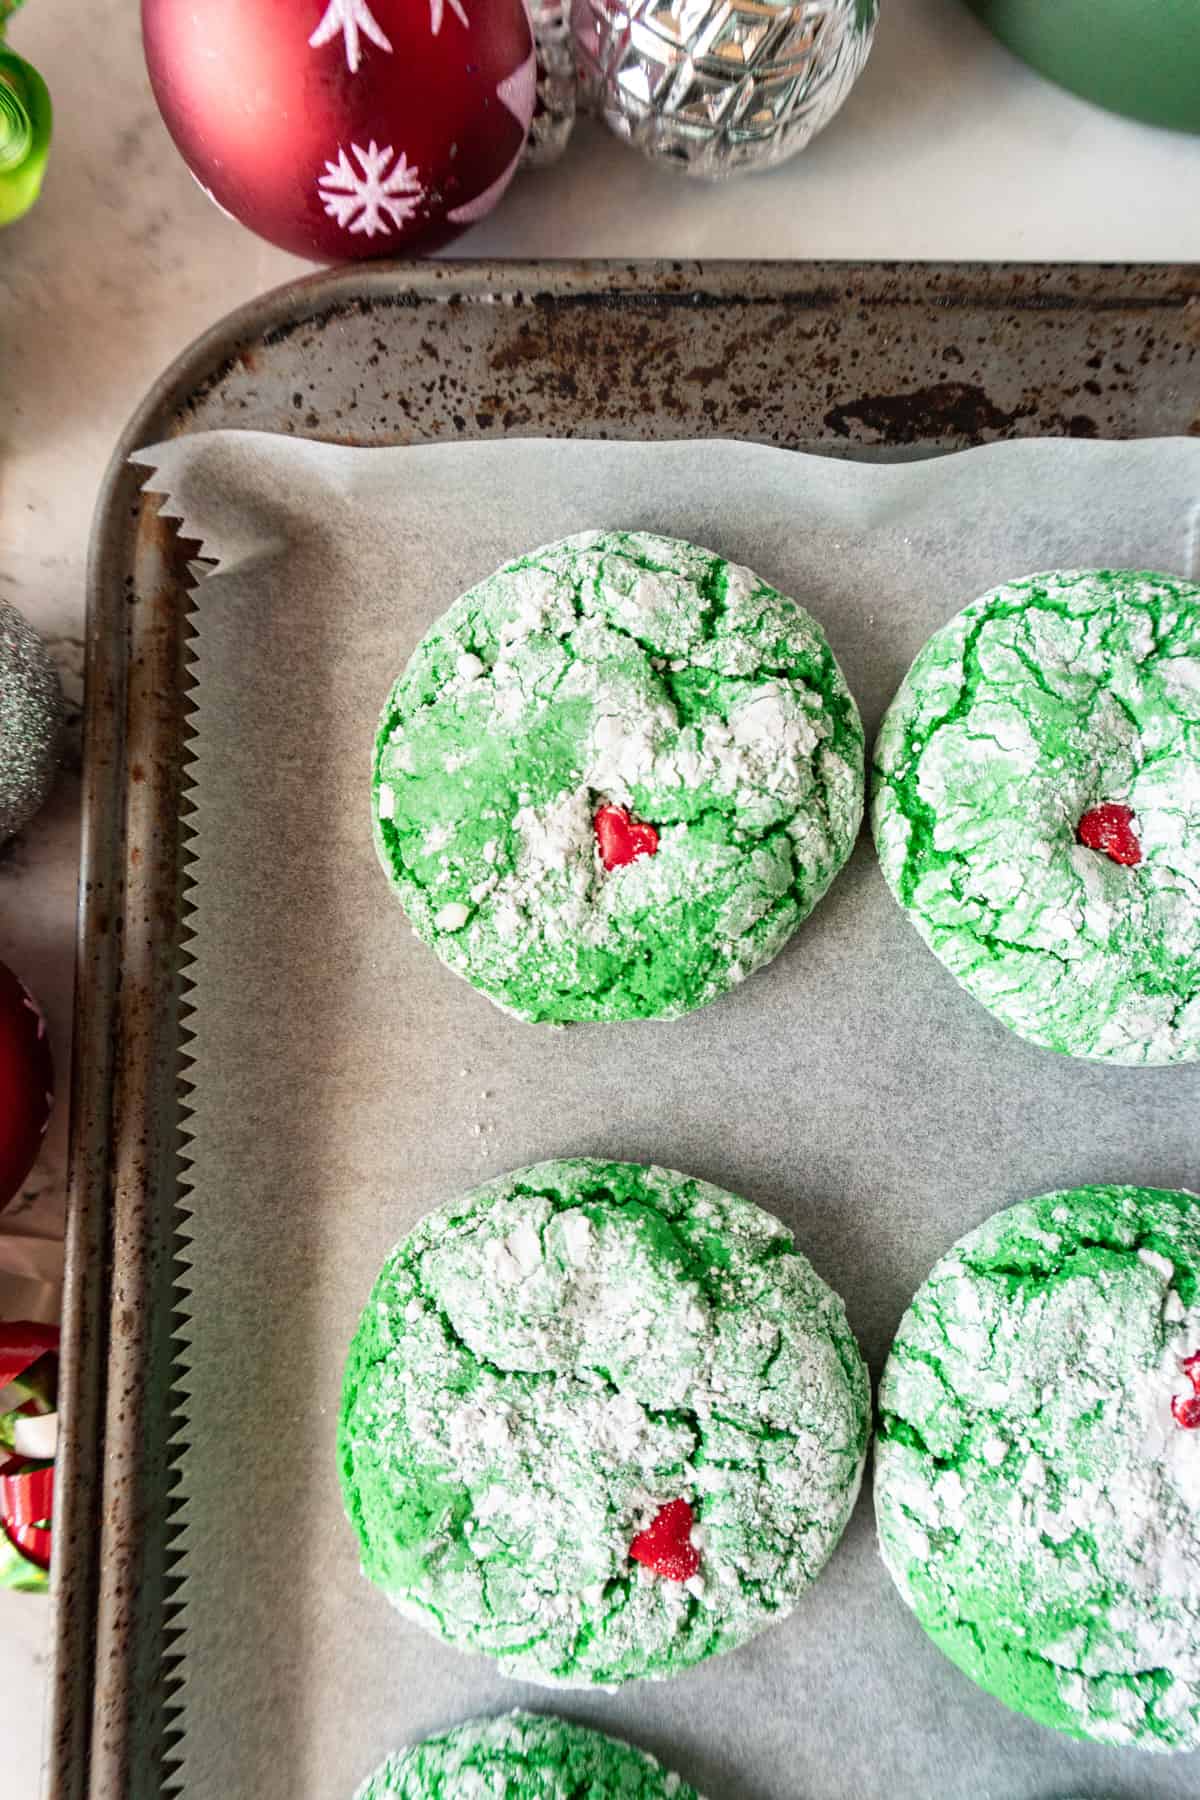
<point>1110,828</point>
<point>1186,1412</point>
<point>666,1544</point>
<point>1186,1409</point>
<point>621,838</point>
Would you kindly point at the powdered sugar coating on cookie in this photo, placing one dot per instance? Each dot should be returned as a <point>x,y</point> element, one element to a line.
<point>1043,701</point>
<point>523,1756</point>
<point>548,1363</point>
<point>1037,1495</point>
<point>616,669</point>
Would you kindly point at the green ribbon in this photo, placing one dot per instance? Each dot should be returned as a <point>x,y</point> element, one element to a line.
<point>16,128</point>
<point>25,126</point>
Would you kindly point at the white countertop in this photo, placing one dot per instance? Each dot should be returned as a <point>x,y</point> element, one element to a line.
<point>948,148</point>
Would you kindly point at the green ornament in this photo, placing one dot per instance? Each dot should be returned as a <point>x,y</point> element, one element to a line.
<point>1137,57</point>
<point>25,127</point>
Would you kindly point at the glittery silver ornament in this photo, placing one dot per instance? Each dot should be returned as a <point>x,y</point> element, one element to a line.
<point>31,718</point>
<point>554,105</point>
<point>721,86</point>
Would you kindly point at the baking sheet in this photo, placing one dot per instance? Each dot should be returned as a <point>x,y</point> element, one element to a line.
<point>345,1082</point>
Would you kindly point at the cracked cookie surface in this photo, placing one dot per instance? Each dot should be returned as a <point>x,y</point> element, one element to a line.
<point>523,1756</point>
<point>548,1365</point>
<point>1062,700</point>
<point>1037,1484</point>
<point>616,673</point>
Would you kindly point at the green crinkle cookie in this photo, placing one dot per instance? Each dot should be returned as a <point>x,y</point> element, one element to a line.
<point>1037,1463</point>
<point>1038,705</point>
<point>523,1756</point>
<point>616,670</point>
<point>549,1363</point>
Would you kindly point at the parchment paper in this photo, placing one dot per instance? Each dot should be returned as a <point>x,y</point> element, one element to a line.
<point>345,1082</point>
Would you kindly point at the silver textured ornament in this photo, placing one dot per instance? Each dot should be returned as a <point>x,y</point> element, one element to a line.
<point>31,718</point>
<point>721,86</point>
<point>554,105</point>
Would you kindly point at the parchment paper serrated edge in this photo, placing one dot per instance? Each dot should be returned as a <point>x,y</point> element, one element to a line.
<point>159,459</point>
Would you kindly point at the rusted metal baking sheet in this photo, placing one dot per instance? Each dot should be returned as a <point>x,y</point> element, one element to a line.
<point>842,356</point>
<point>852,359</point>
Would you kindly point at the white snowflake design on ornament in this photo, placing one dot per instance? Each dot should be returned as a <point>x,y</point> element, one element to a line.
<point>28,1001</point>
<point>436,10</point>
<point>360,202</point>
<point>354,17</point>
<point>351,17</point>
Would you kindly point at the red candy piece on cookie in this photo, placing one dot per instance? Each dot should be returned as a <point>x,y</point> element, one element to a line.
<point>1185,1409</point>
<point>26,1083</point>
<point>1186,1412</point>
<point>1110,828</point>
<point>622,838</point>
<point>666,1545</point>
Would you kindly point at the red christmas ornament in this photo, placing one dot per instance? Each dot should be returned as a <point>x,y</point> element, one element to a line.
<point>666,1544</point>
<point>621,838</point>
<point>346,128</point>
<point>1185,1410</point>
<point>1110,828</point>
<point>26,1083</point>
